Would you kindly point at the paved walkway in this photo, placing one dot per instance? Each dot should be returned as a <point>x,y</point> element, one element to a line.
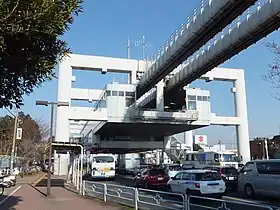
<point>28,197</point>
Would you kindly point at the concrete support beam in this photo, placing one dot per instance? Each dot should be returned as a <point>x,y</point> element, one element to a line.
<point>159,96</point>
<point>132,144</point>
<point>242,129</point>
<point>86,94</point>
<point>87,113</point>
<point>226,121</point>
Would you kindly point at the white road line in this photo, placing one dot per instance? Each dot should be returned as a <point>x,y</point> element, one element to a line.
<point>250,201</point>
<point>7,197</point>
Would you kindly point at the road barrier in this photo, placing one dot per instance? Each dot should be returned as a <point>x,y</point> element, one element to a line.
<point>151,199</point>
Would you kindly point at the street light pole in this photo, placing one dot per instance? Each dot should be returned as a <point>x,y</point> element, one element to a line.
<point>46,103</point>
<point>50,152</point>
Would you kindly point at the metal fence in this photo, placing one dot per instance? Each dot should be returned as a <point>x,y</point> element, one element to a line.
<point>203,203</point>
<point>160,200</point>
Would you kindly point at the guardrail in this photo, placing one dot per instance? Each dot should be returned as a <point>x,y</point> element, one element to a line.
<point>139,198</point>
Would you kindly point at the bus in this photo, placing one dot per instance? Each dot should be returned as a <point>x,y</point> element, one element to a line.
<point>200,159</point>
<point>102,166</point>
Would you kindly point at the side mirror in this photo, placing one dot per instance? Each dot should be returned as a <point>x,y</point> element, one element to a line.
<point>173,178</point>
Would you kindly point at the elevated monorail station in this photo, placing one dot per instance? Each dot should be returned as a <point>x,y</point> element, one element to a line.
<point>157,101</point>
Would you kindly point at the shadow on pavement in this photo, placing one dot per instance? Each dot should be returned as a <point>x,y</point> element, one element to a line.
<point>42,185</point>
<point>10,203</point>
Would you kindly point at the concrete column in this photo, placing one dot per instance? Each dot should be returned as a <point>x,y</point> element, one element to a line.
<point>159,96</point>
<point>242,131</point>
<point>63,95</point>
<point>167,142</point>
<point>158,157</point>
<point>188,139</point>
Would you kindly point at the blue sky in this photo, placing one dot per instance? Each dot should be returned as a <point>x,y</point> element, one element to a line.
<point>103,29</point>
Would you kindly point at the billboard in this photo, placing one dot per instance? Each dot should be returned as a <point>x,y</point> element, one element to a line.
<point>200,139</point>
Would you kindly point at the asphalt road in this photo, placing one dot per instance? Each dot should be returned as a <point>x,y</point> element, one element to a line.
<point>232,200</point>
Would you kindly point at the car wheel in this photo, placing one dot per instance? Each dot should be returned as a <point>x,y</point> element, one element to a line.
<point>135,184</point>
<point>146,186</point>
<point>169,189</point>
<point>187,192</point>
<point>249,191</point>
<point>220,196</point>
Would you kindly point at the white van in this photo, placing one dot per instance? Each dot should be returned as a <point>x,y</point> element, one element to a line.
<point>260,177</point>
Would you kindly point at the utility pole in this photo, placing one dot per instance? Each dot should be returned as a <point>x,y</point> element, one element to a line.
<point>137,43</point>
<point>14,143</point>
<point>50,152</point>
<point>128,48</point>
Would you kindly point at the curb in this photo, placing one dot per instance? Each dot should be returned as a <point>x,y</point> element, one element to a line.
<point>38,180</point>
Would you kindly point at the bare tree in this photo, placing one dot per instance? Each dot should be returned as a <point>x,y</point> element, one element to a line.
<point>273,74</point>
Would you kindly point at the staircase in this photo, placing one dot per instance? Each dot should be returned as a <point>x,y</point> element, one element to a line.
<point>175,152</point>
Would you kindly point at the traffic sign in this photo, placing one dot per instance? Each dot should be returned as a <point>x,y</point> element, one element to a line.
<point>19,133</point>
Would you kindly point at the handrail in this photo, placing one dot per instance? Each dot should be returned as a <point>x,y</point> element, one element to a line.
<point>191,18</point>
<point>100,98</point>
<point>227,30</point>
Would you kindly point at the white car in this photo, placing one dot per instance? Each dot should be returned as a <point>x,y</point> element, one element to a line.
<point>198,182</point>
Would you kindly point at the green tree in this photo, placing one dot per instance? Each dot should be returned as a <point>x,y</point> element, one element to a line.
<point>31,44</point>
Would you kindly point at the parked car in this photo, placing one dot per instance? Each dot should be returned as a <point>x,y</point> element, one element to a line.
<point>172,169</point>
<point>198,182</point>
<point>260,177</point>
<point>151,177</point>
<point>229,175</point>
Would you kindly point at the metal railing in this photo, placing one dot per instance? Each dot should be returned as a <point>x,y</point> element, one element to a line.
<point>102,97</point>
<point>198,10</point>
<point>196,202</point>
<point>219,36</point>
<point>139,198</point>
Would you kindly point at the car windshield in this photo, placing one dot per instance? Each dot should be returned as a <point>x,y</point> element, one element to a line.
<point>208,176</point>
<point>175,168</point>
<point>155,172</point>
<point>229,171</point>
<point>103,159</point>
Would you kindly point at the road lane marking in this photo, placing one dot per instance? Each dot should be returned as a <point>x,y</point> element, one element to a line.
<point>8,196</point>
<point>258,202</point>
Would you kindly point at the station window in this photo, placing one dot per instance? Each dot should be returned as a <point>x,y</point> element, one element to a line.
<point>205,98</point>
<point>192,105</point>
<point>108,92</point>
<point>199,98</point>
<point>130,94</point>
<point>121,93</point>
<point>191,97</point>
<point>114,93</point>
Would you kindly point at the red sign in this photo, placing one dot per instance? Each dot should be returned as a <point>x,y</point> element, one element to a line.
<point>200,138</point>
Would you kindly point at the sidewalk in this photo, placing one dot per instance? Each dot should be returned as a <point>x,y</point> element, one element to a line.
<point>32,198</point>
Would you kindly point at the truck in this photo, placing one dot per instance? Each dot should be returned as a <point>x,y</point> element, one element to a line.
<point>128,162</point>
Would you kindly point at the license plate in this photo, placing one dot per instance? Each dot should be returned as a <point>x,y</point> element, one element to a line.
<point>106,169</point>
<point>231,178</point>
<point>160,178</point>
